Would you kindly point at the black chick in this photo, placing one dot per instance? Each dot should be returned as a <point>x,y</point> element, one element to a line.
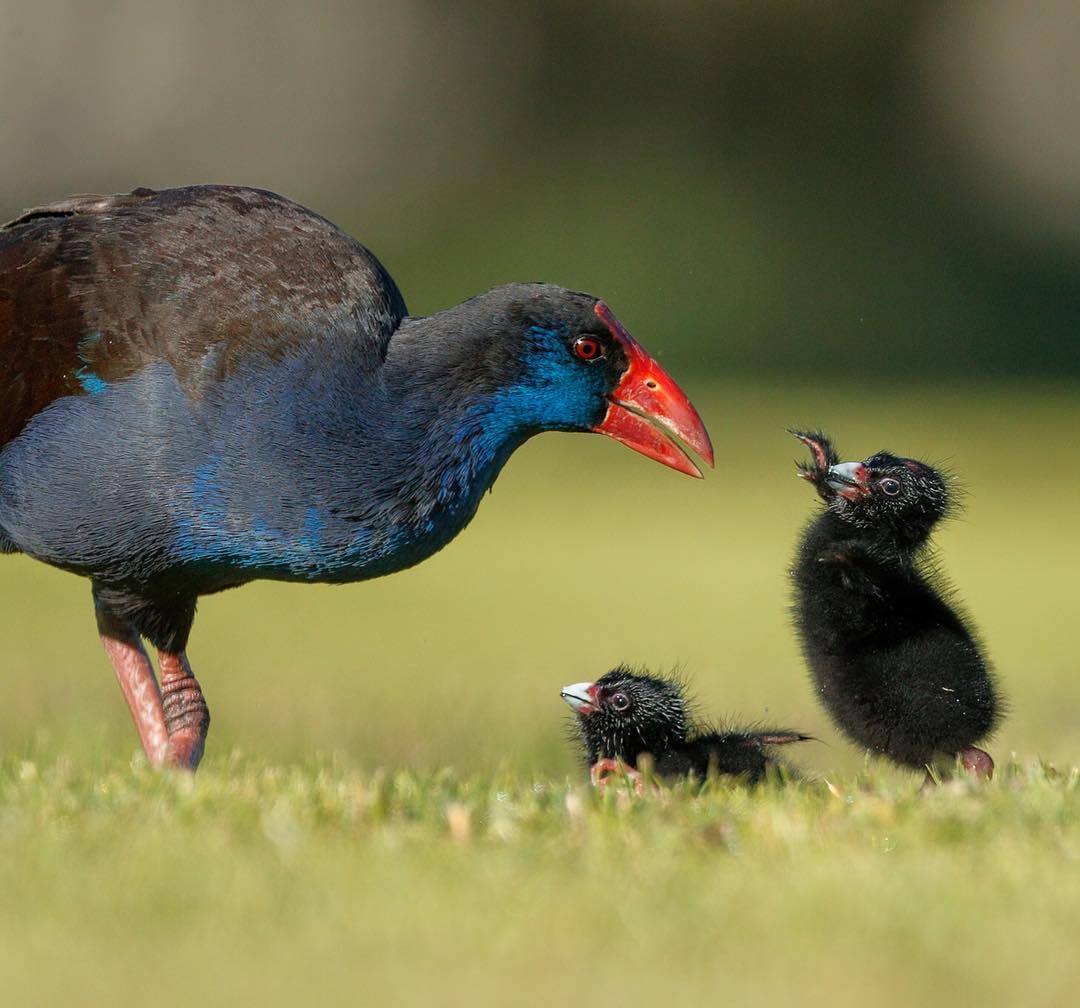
<point>897,667</point>
<point>625,715</point>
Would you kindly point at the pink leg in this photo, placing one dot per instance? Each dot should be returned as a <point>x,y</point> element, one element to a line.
<point>186,716</point>
<point>977,763</point>
<point>140,688</point>
<point>601,772</point>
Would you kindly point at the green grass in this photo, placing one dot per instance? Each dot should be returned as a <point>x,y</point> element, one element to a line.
<point>318,884</point>
<point>389,812</point>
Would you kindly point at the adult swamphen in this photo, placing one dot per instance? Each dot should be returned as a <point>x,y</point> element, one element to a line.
<point>626,715</point>
<point>896,664</point>
<point>210,385</point>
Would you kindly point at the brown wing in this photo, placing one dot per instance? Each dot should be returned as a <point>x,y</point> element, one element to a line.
<point>92,289</point>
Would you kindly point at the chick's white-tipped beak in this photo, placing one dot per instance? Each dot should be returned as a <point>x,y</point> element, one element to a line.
<point>848,479</point>
<point>582,697</point>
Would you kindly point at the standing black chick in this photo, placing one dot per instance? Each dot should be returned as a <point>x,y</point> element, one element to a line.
<point>896,665</point>
<point>625,715</point>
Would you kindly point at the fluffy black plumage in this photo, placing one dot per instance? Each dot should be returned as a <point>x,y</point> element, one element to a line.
<point>625,715</point>
<point>895,663</point>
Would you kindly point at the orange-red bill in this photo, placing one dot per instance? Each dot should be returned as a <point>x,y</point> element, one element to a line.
<point>646,400</point>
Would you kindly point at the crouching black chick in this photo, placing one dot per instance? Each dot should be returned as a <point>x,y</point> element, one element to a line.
<point>897,667</point>
<point>624,716</point>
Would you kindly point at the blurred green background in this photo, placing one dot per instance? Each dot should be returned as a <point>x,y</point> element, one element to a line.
<point>860,215</point>
<point>862,187</point>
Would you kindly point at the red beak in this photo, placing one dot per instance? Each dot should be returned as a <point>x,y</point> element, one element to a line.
<point>647,396</point>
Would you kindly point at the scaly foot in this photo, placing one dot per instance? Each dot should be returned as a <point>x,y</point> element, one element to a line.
<point>187,718</point>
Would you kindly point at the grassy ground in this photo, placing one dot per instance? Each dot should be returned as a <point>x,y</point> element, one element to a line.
<point>476,868</point>
<point>322,885</point>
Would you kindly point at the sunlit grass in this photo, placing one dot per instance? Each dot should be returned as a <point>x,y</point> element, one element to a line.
<point>324,884</point>
<point>390,812</point>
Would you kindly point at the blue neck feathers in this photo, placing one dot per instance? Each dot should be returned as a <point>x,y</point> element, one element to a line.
<point>358,474</point>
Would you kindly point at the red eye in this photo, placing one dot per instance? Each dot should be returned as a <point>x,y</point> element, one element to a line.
<point>588,348</point>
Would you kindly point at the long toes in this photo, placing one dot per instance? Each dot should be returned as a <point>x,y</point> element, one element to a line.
<point>601,771</point>
<point>817,449</point>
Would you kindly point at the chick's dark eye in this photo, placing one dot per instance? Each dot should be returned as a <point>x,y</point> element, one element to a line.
<point>588,348</point>
<point>889,486</point>
<point>619,701</point>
